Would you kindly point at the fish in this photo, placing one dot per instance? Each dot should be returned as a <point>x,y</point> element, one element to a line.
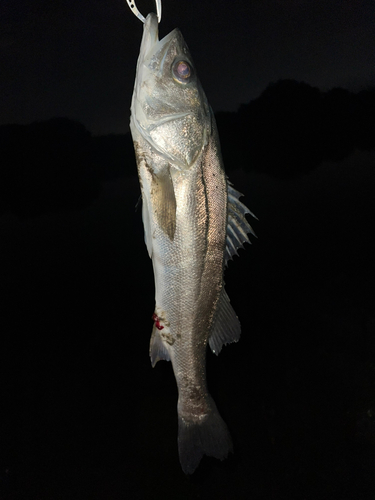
<point>193,223</point>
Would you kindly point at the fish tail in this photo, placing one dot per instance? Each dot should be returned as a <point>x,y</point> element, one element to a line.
<point>207,435</point>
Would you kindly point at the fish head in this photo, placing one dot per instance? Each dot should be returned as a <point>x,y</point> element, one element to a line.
<point>169,107</point>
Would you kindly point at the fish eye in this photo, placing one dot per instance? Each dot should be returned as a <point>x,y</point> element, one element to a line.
<point>182,71</point>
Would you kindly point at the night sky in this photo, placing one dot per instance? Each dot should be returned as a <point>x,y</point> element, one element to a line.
<point>83,415</point>
<point>77,58</point>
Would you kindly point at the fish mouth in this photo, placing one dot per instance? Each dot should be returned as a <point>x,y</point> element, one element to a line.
<point>150,40</point>
<point>150,37</point>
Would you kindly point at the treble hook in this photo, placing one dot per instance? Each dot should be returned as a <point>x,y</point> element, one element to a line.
<point>136,12</point>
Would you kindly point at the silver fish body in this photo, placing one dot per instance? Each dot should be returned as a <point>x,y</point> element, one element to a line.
<point>193,224</point>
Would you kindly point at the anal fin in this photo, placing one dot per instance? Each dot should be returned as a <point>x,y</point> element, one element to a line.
<point>158,350</point>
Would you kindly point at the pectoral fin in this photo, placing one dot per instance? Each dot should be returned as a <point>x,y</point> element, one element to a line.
<point>147,226</point>
<point>164,202</point>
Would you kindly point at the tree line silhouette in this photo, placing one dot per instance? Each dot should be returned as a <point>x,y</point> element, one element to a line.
<point>287,131</point>
<point>292,127</point>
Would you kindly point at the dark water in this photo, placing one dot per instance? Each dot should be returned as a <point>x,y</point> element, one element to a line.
<point>83,414</point>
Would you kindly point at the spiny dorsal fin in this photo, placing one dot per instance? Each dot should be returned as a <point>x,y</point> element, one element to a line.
<point>226,327</point>
<point>238,227</point>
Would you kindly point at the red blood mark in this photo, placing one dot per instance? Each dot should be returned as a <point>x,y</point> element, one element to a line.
<point>157,322</point>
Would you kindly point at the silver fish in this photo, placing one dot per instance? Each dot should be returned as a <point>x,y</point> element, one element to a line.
<point>194,223</point>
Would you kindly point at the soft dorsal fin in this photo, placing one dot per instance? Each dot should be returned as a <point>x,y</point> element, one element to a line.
<point>238,227</point>
<point>226,327</point>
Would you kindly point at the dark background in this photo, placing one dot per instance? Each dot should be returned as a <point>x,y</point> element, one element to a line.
<point>83,414</point>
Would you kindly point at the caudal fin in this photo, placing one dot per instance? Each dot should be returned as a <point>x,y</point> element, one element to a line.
<point>209,436</point>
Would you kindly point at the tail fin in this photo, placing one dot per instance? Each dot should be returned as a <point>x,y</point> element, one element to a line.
<point>209,436</point>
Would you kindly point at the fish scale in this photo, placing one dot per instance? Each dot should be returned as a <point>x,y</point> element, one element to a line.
<point>194,223</point>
